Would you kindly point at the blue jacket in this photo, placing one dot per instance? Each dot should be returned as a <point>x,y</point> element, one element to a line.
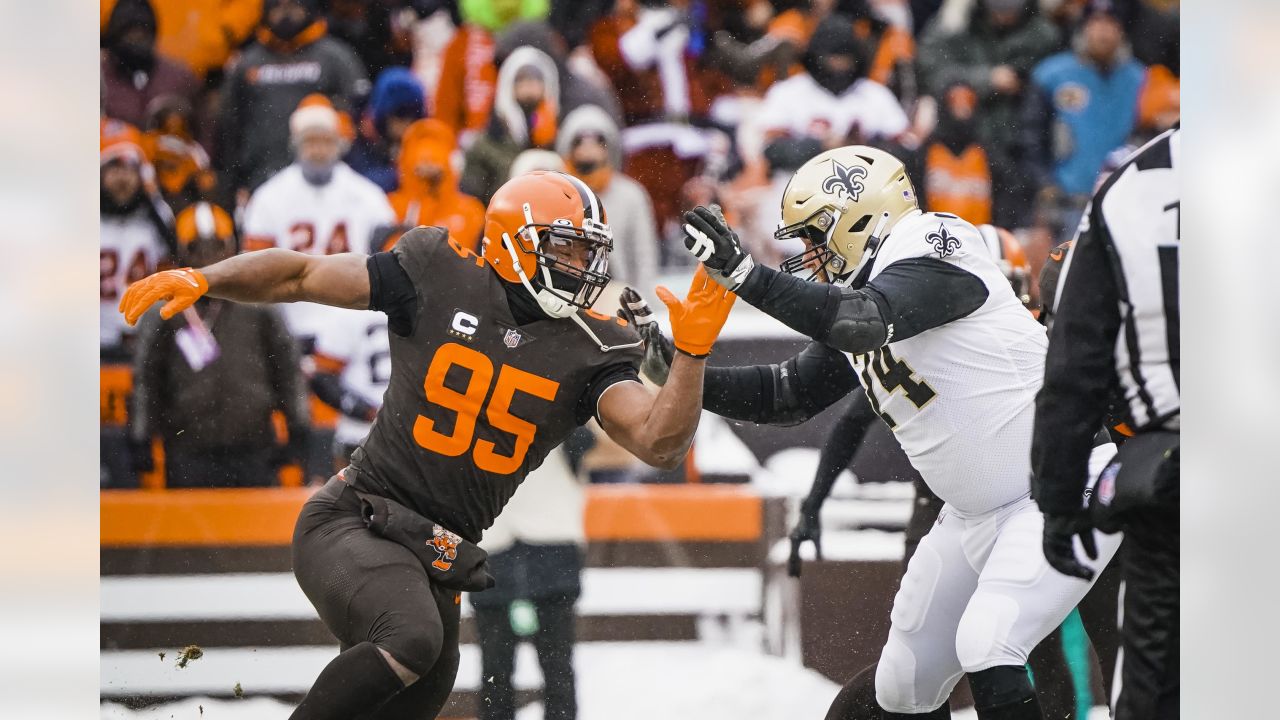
<point>1076,115</point>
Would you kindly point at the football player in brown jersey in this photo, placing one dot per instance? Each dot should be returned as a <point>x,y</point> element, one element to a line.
<point>494,359</point>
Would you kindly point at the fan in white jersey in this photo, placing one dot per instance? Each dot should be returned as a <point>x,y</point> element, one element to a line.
<point>136,228</point>
<point>353,367</point>
<point>912,306</point>
<point>317,205</point>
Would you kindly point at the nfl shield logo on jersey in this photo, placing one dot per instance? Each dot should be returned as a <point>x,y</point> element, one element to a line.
<point>512,338</point>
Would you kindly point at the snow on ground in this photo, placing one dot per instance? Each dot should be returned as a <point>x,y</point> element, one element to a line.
<point>616,681</point>
<point>619,681</point>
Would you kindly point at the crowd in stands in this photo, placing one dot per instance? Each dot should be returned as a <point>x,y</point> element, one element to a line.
<point>334,125</point>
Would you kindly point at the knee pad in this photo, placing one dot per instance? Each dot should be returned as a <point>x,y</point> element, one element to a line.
<point>896,690</point>
<point>1001,687</point>
<point>983,635</point>
<point>416,643</point>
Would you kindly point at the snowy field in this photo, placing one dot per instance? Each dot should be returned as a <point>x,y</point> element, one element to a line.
<point>616,681</point>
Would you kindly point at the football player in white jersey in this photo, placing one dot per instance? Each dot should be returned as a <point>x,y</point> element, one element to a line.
<point>353,367</point>
<point>318,205</point>
<point>911,305</point>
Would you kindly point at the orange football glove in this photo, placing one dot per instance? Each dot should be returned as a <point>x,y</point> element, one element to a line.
<point>180,287</point>
<point>696,320</point>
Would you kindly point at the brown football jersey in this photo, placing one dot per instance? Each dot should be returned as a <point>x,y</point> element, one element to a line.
<point>476,401</point>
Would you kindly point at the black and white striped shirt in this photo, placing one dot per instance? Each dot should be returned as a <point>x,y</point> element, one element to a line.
<point>1116,321</point>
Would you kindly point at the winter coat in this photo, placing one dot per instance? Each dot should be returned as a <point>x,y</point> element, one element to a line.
<point>947,55</point>
<point>415,203</point>
<point>264,89</point>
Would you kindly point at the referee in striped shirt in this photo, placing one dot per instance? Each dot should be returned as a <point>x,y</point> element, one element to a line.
<point>1115,333</point>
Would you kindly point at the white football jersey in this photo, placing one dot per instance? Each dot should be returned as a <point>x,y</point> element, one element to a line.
<point>131,248</point>
<point>960,397</point>
<point>339,216</point>
<point>801,107</point>
<point>359,340</point>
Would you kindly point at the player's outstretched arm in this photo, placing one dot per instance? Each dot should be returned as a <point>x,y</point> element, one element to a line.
<point>788,393</point>
<point>905,299</point>
<point>658,428</point>
<point>265,276</point>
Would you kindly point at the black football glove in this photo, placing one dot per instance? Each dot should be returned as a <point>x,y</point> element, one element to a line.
<point>659,351</point>
<point>708,237</point>
<point>808,527</point>
<point>1059,529</point>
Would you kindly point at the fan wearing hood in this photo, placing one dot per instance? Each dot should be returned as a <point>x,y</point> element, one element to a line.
<point>428,193</point>
<point>465,92</point>
<point>590,145</point>
<point>397,101</point>
<point>833,100</point>
<point>133,72</point>
<point>526,112</point>
<point>292,58</point>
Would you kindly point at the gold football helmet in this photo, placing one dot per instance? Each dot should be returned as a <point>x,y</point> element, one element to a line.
<point>836,203</point>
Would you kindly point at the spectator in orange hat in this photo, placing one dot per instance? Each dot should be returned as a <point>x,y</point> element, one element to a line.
<point>183,173</point>
<point>207,381</point>
<point>133,73</point>
<point>136,227</point>
<point>428,193</point>
<point>135,231</point>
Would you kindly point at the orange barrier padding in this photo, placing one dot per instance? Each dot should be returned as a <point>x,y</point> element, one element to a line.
<point>265,516</point>
<point>250,516</point>
<point>673,512</point>
<point>114,386</point>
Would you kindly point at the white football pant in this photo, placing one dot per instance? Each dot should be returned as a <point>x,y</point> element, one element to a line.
<point>978,593</point>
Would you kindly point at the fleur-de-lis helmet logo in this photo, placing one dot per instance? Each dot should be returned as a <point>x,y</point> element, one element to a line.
<point>944,243</point>
<point>845,180</point>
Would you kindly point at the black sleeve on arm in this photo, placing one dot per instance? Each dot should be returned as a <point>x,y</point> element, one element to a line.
<point>329,388</point>
<point>604,379</point>
<point>919,294</point>
<point>392,292</point>
<point>784,394</point>
<point>806,307</point>
<point>838,451</point>
<point>910,296</point>
<point>1079,373</point>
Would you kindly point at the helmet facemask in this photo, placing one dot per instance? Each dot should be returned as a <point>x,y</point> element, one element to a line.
<point>821,262</point>
<point>572,262</point>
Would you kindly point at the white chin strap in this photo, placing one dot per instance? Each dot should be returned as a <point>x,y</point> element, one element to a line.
<point>873,247</point>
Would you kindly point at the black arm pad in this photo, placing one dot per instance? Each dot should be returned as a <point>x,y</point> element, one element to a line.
<point>858,325</point>
<point>785,394</point>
